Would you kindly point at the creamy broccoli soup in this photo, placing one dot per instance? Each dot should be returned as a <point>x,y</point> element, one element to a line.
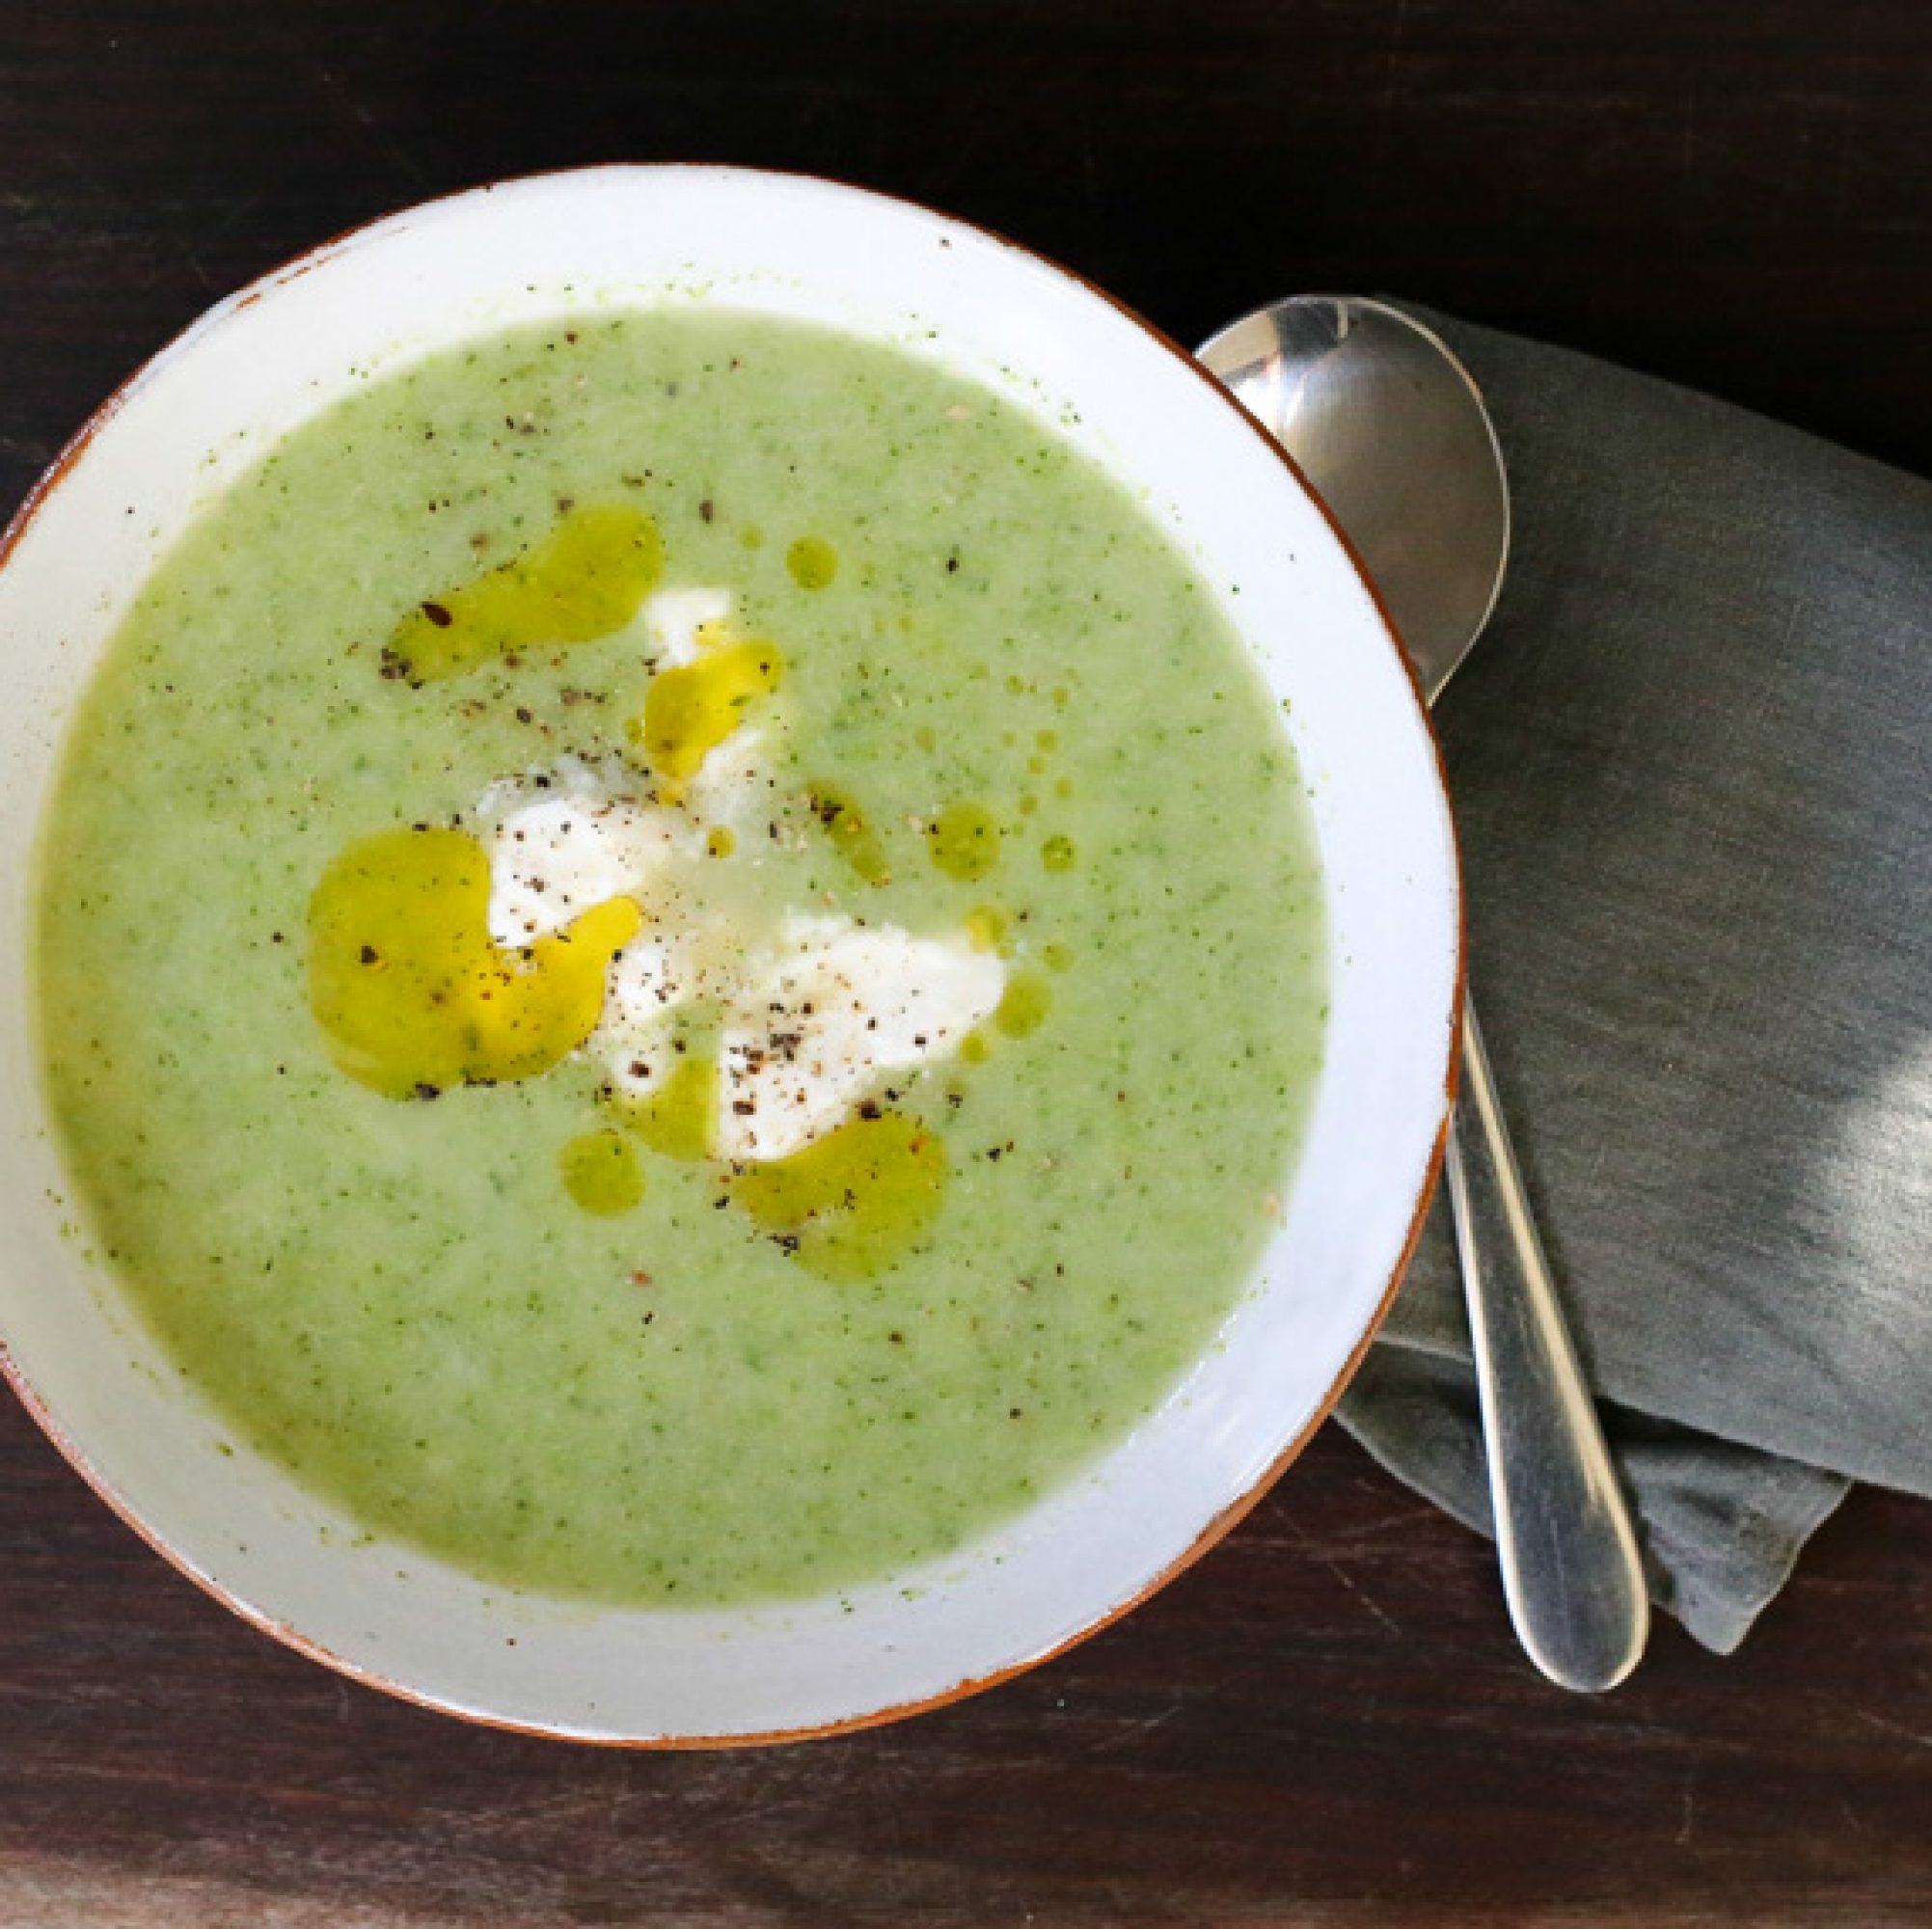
<point>679,959</point>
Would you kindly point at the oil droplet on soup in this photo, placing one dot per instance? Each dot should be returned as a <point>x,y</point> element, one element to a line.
<point>586,580</point>
<point>676,1118</point>
<point>989,929</point>
<point>851,832</point>
<point>813,561</point>
<point>602,1174</point>
<point>690,710</point>
<point>410,992</point>
<point>853,1202</point>
<point>965,841</point>
<point>1057,854</point>
<point>1024,1005</point>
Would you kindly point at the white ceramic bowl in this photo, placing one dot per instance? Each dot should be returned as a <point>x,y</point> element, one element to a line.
<point>267,359</point>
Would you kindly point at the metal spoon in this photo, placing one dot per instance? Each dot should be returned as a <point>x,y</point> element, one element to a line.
<point>1388,427</point>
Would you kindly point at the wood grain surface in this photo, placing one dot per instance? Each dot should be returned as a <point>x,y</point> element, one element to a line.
<point>1326,1721</point>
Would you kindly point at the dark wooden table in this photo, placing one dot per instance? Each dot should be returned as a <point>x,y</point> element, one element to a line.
<point>1326,1721</point>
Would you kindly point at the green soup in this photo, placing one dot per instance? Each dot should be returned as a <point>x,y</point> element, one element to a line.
<point>411,1240</point>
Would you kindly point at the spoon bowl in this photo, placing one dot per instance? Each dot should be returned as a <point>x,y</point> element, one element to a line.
<point>1392,434</point>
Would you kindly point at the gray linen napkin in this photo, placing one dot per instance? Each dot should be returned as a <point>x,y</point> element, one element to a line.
<point>1692,762</point>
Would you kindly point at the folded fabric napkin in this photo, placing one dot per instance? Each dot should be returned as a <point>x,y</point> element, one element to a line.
<point>1691,761</point>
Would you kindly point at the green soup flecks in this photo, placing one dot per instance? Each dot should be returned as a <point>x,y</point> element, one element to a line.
<point>360,1157</point>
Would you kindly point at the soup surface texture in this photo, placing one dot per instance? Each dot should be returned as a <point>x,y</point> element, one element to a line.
<point>679,957</point>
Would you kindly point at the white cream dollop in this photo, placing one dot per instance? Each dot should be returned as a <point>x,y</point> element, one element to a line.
<point>818,1009</point>
<point>673,619</point>
<point>841,1005</point>
<point>554,858</point>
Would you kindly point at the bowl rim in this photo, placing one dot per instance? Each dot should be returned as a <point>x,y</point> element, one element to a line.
<point>48,482</point>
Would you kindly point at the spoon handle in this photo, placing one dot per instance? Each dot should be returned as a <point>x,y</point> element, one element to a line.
<point>1572,1572</point>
